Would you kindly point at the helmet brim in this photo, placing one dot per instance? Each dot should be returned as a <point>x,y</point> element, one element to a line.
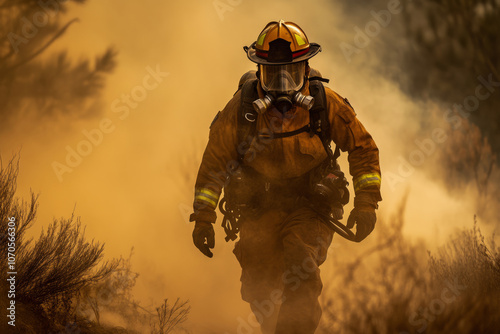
<point>314,49</point>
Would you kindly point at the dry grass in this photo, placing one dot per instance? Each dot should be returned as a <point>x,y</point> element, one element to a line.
<point>392,288</point>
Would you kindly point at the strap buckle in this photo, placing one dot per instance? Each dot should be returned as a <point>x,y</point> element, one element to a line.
<point>250,117</point>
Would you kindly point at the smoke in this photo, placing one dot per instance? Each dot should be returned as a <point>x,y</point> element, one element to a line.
<point>178,64</point>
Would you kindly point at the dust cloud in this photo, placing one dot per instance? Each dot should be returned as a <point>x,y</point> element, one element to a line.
<point>135,188</point>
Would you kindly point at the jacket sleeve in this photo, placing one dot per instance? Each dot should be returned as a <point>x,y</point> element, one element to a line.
<point>219,158</point>
<point>351,136</point>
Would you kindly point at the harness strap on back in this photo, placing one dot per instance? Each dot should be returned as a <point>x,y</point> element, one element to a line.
<point>319,117</point>
<point>247,115</point>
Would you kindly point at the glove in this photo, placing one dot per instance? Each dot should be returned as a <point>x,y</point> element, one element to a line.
<point>363,215</point>
<point>204,237</point>
<point>364,220</point>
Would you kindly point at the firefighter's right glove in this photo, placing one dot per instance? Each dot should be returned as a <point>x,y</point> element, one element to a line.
<point>204,237</point>
<point>365,223</point>
<point>363,216</point>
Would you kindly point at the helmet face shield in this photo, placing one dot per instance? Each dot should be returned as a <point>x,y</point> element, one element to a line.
<point>285,79</point>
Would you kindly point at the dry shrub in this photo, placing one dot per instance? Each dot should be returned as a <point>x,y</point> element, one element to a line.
<point>112,296</point>
<point>169,318</point>
<point>62,283</point>
<point>393,287</point>
<point>52,269</point>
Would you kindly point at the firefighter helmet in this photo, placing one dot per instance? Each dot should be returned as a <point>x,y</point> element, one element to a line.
<point>281,43</point>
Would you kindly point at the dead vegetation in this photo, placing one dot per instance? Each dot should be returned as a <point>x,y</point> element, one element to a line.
<point>392,288</point>
<point>170,317</point>
<point>63,285</point>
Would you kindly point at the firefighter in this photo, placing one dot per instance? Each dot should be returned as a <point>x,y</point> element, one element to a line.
<point>273,156</point>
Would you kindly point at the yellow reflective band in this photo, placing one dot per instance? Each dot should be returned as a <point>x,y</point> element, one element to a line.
<point>260,41</point>
<point>207,195</point>
<point>299,39</point>
<point>366,180</point>
<point>203,198</point>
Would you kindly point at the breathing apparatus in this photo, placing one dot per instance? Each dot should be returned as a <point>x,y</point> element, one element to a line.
<point>282,84</point>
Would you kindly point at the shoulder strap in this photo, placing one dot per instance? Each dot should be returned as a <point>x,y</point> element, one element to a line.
<point>247,114</point>
<point>319,79</point>
<point>319,117</point>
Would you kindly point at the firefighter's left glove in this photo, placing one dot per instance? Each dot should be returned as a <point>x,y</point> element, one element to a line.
<point>363,216</point>
<point>204,237</point>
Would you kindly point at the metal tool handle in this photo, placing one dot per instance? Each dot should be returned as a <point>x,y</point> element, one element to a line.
<point>339,228</point>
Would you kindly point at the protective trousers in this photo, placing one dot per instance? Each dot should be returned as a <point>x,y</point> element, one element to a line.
<point>280,253</point>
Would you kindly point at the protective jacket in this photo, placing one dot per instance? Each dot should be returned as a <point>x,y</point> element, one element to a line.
<point>283,158</point>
